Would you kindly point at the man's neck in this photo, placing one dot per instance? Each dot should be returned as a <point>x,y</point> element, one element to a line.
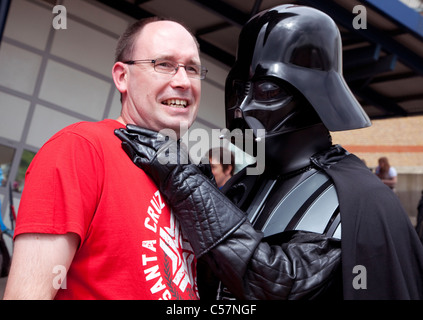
<point>120,119</point>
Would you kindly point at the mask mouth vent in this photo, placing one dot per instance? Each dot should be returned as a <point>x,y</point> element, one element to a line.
<point>247,88</point>
<point>238,113</point>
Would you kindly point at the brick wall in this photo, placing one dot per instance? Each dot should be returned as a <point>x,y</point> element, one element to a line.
<point>409,191</point>
<point>399,139</point>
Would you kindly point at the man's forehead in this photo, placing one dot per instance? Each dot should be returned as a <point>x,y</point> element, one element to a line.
<point>165,37</point>
<point>164,29</point>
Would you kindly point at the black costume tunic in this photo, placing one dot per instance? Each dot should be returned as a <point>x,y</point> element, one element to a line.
<point>376,234</point>
<point>382,256</point>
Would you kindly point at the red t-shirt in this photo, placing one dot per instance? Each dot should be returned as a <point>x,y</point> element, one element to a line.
<point>131,245</point>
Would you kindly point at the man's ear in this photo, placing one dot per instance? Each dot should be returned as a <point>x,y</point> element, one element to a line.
<point>119,73</point>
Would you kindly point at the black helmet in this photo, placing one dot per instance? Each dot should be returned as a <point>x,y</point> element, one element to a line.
<point>299,47</point>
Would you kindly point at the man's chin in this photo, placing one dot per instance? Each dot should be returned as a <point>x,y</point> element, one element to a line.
<point>175,129</point>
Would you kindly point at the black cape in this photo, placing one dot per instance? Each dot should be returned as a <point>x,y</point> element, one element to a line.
<point>376,234</point>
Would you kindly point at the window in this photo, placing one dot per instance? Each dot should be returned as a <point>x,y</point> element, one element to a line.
<point>26,159</point>
<point>6,159</point>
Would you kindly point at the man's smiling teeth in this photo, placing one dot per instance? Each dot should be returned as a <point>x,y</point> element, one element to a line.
<point>176,103</point>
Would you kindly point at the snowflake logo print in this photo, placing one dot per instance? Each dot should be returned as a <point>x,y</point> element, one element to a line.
<point>173,244</point>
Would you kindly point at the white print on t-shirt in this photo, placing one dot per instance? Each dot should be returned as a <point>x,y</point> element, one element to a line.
<point>154,211</point>
<point>179,261</point>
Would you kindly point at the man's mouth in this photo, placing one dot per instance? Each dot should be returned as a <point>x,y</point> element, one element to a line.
<point>176,103</point>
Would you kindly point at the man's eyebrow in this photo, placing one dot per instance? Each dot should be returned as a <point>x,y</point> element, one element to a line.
<point>172,58</point>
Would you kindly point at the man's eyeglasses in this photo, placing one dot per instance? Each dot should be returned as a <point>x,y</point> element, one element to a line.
<point>171,67</point>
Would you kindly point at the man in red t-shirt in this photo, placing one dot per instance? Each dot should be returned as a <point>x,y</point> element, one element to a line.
<point>82,232</point>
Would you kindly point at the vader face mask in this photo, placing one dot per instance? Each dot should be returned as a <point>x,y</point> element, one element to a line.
<point>269,103</point>
<point>288,76</point>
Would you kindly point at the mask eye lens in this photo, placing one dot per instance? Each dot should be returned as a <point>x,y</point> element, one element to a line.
<point>268,91</point>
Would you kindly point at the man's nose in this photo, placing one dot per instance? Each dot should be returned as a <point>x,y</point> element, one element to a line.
<point>180,78</point>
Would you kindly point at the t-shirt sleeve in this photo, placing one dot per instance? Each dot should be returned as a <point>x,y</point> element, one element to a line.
<point>392,172</point>
<point>62,187</point>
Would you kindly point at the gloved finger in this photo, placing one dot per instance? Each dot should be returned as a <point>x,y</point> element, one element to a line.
<point>146,136</point>
<point>139,155</point>
<point>133,138</point>
<point>127,136</point>
<point>122,134</point>
<point>143,150</point>
<point>165,134</point>
<point>131,128</point>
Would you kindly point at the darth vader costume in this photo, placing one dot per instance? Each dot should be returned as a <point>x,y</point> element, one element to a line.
<point>317,223</point>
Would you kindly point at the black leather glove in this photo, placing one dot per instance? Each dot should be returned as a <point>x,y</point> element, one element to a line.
<point>153,152</point>
<point>206,220</point>
<point>145,146</point>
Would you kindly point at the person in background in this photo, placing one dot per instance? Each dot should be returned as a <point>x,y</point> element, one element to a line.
<point>222,163</point>
<point>386,173</point>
